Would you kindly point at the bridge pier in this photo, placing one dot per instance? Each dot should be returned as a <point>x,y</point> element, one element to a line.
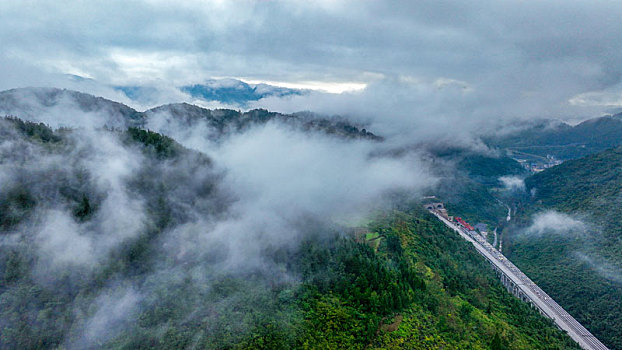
<point>513,288</point>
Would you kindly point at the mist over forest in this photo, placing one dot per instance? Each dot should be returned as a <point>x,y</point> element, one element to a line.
<point>107,219</point>
<point>253,174</point>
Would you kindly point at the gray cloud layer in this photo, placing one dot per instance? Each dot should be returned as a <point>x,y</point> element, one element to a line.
<point>454,60</point>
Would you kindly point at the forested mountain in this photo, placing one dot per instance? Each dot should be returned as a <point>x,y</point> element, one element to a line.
<point>222,122</point>
<point>122,239</point>
<point>562,140</point>
<point>569,239</point>
<point>60,107</point>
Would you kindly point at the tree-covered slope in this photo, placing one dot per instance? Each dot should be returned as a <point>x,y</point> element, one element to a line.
<point>114,239</point>
<point>574,250</point>
<point>562,140</point>
<point>464,306</point>
<point>592,184</point>
<point>182,117</point>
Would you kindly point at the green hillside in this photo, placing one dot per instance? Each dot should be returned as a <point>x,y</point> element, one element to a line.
<point>592,184</point>
<point>562,140</point>
<point>414,284</point>
<point>581,270</point>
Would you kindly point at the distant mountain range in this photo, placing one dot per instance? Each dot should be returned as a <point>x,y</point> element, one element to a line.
<point>60,107</point>
<point>236,91</point>
<point>227,91</point>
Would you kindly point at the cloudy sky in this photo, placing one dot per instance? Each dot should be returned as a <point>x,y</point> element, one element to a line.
<point>421,59</point>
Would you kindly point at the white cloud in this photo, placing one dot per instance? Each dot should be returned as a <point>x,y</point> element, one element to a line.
<point>320,174</point>
<point>323,86</point>
<point>281,177</point>
<point>555,223</point>
<point>604,268</point>
<point>115,310</point>
<point>512,183</point>
<point>64,243</point>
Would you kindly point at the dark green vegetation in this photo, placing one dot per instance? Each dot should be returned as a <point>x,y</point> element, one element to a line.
<point>425,288</point>
<point>562,140</point>
<point>53,195</point>
<point>463,307</point>
<point>592,184</point>
<point>158,285</point>
<point>163,147</point>
<point>35,131</point>
<point>582,272</point>
<point>470,181</point>
<point>16,202</point>
<point>488,169</point>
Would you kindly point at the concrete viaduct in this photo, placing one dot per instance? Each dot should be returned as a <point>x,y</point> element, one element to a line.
<point>517,283</point>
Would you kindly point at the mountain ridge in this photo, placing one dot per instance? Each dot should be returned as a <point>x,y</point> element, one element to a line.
<point>50,105</point>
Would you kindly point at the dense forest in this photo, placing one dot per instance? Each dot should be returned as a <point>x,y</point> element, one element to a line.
<point>105,244</point>
<point>574,250</point>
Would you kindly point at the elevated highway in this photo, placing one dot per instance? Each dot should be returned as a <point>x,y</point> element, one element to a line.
<point>517,283</point>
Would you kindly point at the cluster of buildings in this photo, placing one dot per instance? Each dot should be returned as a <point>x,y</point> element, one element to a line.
<point>537,166</point>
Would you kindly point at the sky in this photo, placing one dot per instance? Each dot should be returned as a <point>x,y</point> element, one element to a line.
<point>446,60</point>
